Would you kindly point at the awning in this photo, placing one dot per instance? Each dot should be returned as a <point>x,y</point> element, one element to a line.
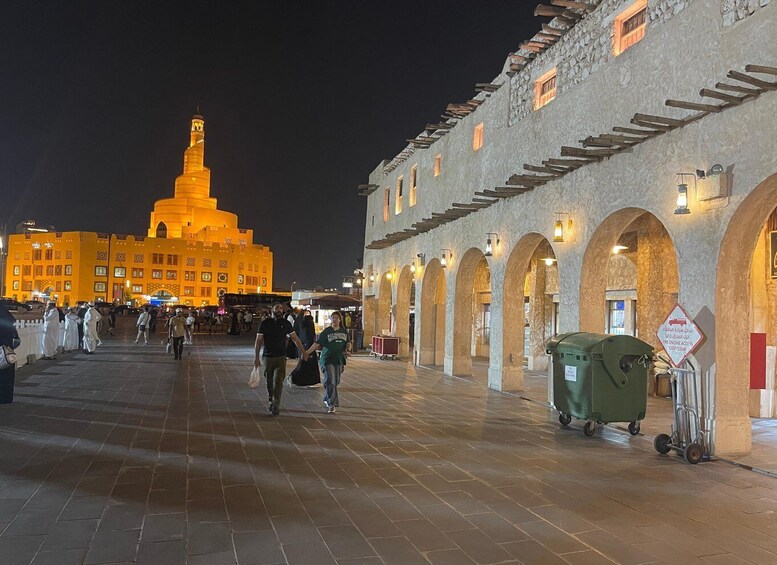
<point>334,302</point>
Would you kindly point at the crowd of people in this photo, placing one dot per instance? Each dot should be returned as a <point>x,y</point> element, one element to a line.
<point>283,333</point>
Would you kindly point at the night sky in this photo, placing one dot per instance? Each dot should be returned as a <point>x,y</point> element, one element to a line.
<point>301,101</point>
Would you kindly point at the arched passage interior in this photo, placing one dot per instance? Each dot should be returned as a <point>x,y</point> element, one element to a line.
<point>472,312</point>
<point>405,304</point>
<point>383,326</point>
<point>528,308</point>
<point>431,342</point>
<point>745,304</point>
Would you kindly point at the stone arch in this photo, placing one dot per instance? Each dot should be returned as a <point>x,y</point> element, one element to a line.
<point>431,342</point>
<point>402,310</point>
<point>518,265</point>
<point>733,293</point>
<point>656,272</point>
<point>383,326</point>
<point>161,230</point>
<point>463,314</point>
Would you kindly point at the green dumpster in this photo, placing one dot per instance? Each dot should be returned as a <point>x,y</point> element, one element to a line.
<point>600,378</point>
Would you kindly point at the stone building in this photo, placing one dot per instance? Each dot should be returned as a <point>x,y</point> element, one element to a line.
<point>193,252</point>
<point>620,163</point>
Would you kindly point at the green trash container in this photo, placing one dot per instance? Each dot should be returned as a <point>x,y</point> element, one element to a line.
<point>600,378</point>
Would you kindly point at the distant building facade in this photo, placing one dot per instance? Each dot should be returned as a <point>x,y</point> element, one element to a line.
<point>193,252</point>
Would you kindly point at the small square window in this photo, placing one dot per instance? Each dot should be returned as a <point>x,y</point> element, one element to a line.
<point>398,198</point>
<point>119,272</point>
<point>545,89</point>
<point>630,26</point>
<point>100,271</point>
<point>477,137</point>
<point>413,186</point>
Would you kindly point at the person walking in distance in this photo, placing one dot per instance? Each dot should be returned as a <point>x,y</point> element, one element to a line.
<point>335,347</point>
<point>272,335</point>
<point>70,337</point>
<point>50,338</point>
<point>177,332</point>
<point>143,323</point>
<point>91,318</point>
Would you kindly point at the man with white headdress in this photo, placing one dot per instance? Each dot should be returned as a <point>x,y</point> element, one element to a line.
<point>70,335</point>
<point>91,318</point>
<point>50,338</point>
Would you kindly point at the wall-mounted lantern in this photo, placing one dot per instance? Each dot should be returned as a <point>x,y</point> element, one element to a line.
<point>489,243</point>
<point>446,257</point>
<point>558,228</point>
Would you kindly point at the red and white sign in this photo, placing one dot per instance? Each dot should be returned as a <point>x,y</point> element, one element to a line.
<point>679,335</point>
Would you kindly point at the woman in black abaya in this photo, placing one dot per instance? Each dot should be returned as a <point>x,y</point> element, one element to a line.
<point>306,373</point>
<point>10,337</point>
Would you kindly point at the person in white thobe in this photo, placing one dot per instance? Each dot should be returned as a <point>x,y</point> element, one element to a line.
<point>91,318</point>
<point>50,338</point>
<point>70,336</point>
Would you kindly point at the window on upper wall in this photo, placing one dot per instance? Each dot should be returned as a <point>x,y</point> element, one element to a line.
<point>545,89</point>
<point>630,26</point>
<point>100,271</point>
<point>398,199</point>
<point>119,272</point>
<point>477,137</point>
<point>16,270</point>
<point>413,186</point>
<point>437,164</point>
<point>386,199</point>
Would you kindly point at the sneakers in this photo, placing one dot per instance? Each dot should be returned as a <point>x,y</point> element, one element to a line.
<point>330,409</point>
<point>275,411</point>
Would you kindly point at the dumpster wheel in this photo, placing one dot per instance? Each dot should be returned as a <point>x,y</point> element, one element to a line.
<point>694,453</point>
<point>663,443</point>
<point>564,419</point>
<point>589,428</point>
<point>633,428</point>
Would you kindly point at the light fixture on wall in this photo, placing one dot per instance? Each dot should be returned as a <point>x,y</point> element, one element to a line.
<point>412,267</point>
<point>372,278</point>
<point>389,275</point>
<point>618,248</point>
<point>713,171</point>
<point>558,228</point>
<point>445,258</point>
<point>489,244</point>
<point>549,261</point>
<point>682,193</point>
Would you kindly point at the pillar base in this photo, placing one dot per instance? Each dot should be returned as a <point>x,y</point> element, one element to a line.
<point>505,378</point>
<point>763,403</point>
<point>732,437</point>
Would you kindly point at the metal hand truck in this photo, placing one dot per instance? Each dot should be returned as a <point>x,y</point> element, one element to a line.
<point>688,437</point>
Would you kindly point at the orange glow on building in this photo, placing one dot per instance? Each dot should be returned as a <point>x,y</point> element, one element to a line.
<point>193,252</point>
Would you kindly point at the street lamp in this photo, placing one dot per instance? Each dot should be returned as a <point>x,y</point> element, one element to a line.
<point>291,291</point>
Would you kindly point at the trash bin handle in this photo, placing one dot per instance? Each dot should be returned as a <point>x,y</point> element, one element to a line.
<point>619,378</point>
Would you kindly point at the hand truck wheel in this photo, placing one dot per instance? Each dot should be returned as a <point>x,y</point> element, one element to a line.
<point>564,419</point>
<point>663,444</point>
<point>694,453</point>
<point>589,428</point>
<point>633,428</point>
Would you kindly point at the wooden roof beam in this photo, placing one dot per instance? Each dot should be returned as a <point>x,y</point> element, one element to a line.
<point>706,92</point>
<point>693,106</point>
<point>548,11</point>
<point>662,128</point>
<point>544,169</point>
<point>553,30</point>
<point>487,87</point>
<point>573,163</point>
<point>737,88</point>
<point>761,69</point>
<point>522,58</point>
<point>758,83</point>
<point>567,151</point>
<point>658,120</point>
<point>574,5</point>
<point>635,131</point>
<point>534,46</point>
<point>623,138</point>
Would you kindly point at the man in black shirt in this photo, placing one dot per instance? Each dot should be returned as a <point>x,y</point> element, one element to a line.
<point>272,335</point>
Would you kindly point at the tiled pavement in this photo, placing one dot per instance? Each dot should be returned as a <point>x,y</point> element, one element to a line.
<point>127,456</point>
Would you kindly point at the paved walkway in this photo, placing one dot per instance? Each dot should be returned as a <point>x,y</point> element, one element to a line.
<point>128,456</point>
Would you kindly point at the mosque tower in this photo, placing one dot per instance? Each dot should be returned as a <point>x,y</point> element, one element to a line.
<point>192,214</point>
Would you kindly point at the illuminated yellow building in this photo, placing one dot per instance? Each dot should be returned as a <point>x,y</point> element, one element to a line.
<point>193,252</point>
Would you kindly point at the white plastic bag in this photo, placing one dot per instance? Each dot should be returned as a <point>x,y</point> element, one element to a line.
<point>256,376</point>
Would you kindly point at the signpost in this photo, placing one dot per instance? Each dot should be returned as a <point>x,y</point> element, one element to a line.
<point>679,335</point>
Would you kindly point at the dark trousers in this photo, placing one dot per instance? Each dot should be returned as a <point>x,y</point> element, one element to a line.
<point>7,376</point>
<point>275,373</point>
<point>178,346</point>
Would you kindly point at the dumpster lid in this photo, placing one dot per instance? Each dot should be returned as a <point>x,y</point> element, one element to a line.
<point>586,341</point>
